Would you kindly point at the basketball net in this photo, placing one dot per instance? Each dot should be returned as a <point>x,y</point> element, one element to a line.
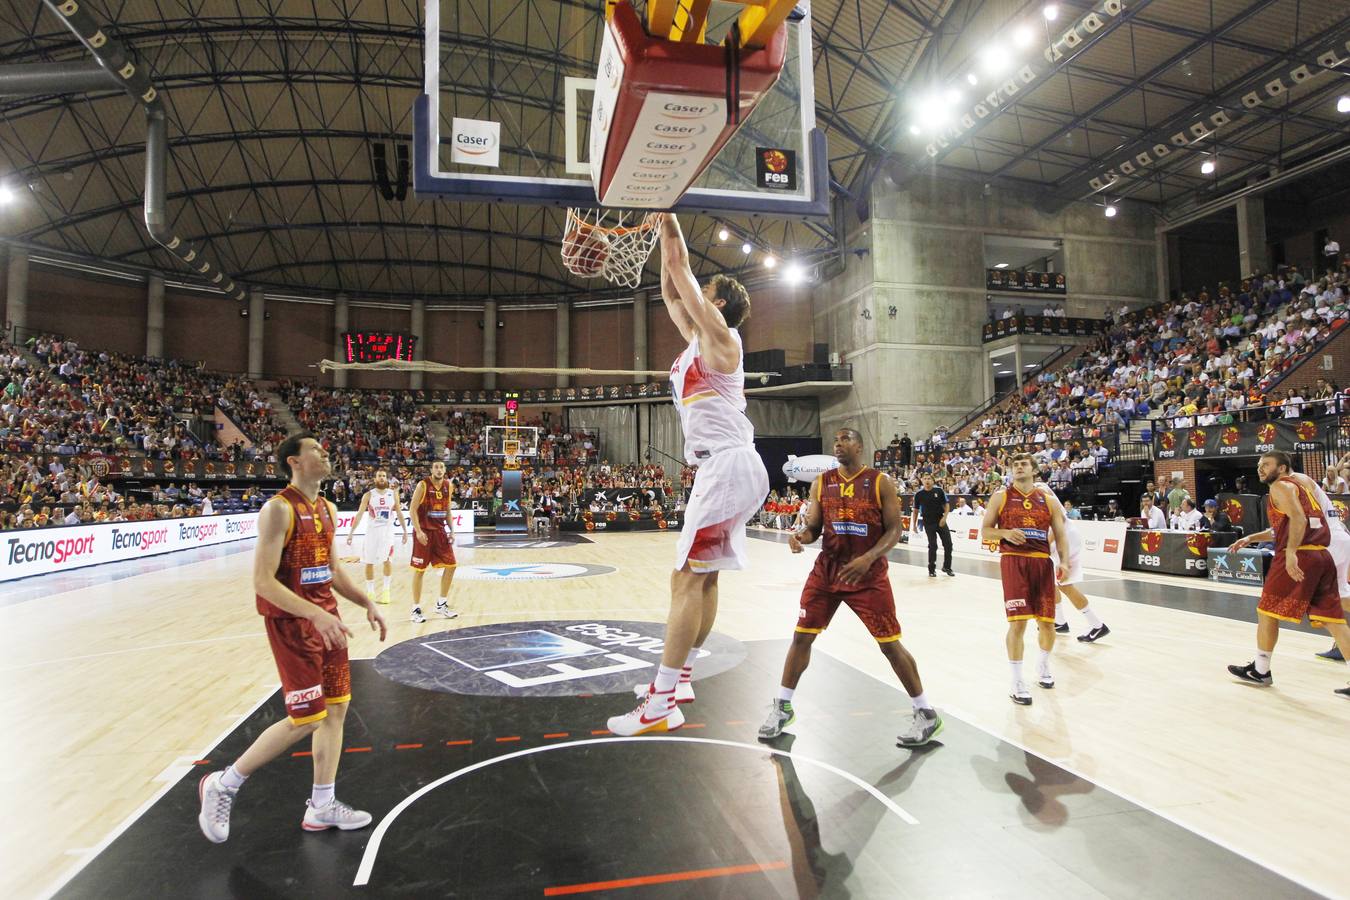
<point>609,242</point>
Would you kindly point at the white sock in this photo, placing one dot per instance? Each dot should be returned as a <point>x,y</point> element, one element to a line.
<point>1093,620</point>
<point>232,779</point>
<point>444,601</point>
<point>1263,662</point>
<point>1043,663</point>
<point>921,701</point>
<point>1061,617</point>
<point>687,673</point>
<point>1016,666</point>
<point>785,693</point>
<point>321,796</point>
<point>387,579</point>
<point>666,678</point>
<point>370,588</point>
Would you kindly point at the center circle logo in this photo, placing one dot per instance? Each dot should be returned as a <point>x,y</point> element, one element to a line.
<point>529,571</point>
<point>545,658</point>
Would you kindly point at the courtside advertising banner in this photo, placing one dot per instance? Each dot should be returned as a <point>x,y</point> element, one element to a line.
<point>40,551</point>
<point>1103,542</point>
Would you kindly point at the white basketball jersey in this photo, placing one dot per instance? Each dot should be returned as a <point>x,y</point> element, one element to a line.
<point>711,404</point>
<point>382,506</point>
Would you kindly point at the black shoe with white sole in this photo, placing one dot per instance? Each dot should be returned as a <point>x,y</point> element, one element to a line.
<point>1045,680</point>
<point>1094,635</point>
<point>1248,673</point>
<point>1062,629</point>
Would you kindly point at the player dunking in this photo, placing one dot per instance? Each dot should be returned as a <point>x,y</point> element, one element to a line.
<point>382,502</point>
<point>856,508</point>
<point>433,542</point>
<point>1022,518</point>
<point>1302,577</point>
<point>708,384</point>
<point>294,578</point>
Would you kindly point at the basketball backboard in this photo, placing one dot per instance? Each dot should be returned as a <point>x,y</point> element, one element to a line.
<point>506,112</point>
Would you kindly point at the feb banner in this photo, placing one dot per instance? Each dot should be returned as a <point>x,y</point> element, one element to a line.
<point>1240,439</point>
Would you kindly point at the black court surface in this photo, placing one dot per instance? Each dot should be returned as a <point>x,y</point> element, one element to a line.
<point>525,795</point>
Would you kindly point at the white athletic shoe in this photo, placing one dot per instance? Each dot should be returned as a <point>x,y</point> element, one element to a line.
<point>684,691</point>
<point>217,802</point>
<point>417,615</point>
<point>443,608</point>
<point>1045,680</point>
<point>656,712</point>
<point>335,815</point>
<point>1020,695</point>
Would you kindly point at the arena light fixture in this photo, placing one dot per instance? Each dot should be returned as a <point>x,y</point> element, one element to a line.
<point>915,129</point>
<point>1023,36</point>
<point>746,248</point>
<point>793,273</point>
<point>1051,12</point>
<point>993,59</point>
<point>723,234</point>
<point>6,195</point>
<point>770,261</point>
<point>1110,210</point>
<point>972,78</point>
<point>1343,104</point>
<point>1000,265</point>
<point>953,96</point>
<point>1207,167</point>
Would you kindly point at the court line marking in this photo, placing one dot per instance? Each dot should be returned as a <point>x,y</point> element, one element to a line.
<point>130,820</point>
<point>664,878</point>
<point>967,719</point>
<point>377,836</point>
<point>64,659</point>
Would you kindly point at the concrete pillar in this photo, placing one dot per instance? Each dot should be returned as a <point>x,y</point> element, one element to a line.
<point>257,312</point>
<point>154,316</point>
<point>640,332</point>
<point>1251,216</point>
<point>988,376</point>
<point>1174,282</point>
<point>1017,362</point>
<point>16,293</point>
<point>644,423</point>
<point>562,352</point>
<point>341,313</point>
<point>1160,252</point>
<point>490,343</point>
<point>418,327</point>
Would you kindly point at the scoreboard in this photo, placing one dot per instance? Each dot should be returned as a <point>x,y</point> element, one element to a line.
<point>375,346</point>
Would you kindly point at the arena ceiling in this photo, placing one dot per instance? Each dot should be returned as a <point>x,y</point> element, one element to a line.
<point>274,107</point>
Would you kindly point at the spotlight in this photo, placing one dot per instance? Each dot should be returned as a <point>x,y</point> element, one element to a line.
<point>793,273</point>
<point>1110,211</point>
<point>915,129</point>
<point>1207,167</point>
<point>1023,36</point>
<point>723,234</point>
<point>746,248</point>
<point>953,96</point>
<point>993,60</point>
<point>770,261</point>
<point>1343,104</point>
<point>1000,265</point>
<point>1051,12</point>
<point>6,195</point>
<point>972,78</point>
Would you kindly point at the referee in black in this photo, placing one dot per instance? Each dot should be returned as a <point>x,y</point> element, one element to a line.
<point>933,506</point>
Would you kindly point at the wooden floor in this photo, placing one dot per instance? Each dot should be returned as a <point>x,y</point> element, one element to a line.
<point>112,690</point>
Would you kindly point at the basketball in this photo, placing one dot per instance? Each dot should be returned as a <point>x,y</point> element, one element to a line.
<point>585,250</point>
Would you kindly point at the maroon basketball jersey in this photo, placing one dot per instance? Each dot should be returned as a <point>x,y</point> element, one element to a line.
<point>851,524</point>
<point>306,556</point>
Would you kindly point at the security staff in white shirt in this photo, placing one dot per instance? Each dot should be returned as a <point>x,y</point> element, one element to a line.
<point>1187,518</point>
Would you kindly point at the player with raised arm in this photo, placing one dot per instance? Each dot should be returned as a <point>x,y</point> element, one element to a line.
<point>708,386</point>
<point>294,578</point>
<point>433,542</point>
<point>857,510</point>
<point>382,503</point>
<point>1022,518</point>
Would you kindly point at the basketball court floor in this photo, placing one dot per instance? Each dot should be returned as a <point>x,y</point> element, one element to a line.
<point>479,744</point>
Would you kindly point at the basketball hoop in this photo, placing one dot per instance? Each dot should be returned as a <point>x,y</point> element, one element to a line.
<point>609,242</point>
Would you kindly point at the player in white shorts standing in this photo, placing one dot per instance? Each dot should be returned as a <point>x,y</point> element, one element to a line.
<point>1340,553</point>
<point>708,385</point>
<point>383,504</point>
<point>1073,574</point>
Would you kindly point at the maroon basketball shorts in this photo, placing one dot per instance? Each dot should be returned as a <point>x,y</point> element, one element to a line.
<point>312,676</point>
<point>1028,587</point>
<point>873,603</point>
<point>1317,596</point>
<point>438,552</point>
